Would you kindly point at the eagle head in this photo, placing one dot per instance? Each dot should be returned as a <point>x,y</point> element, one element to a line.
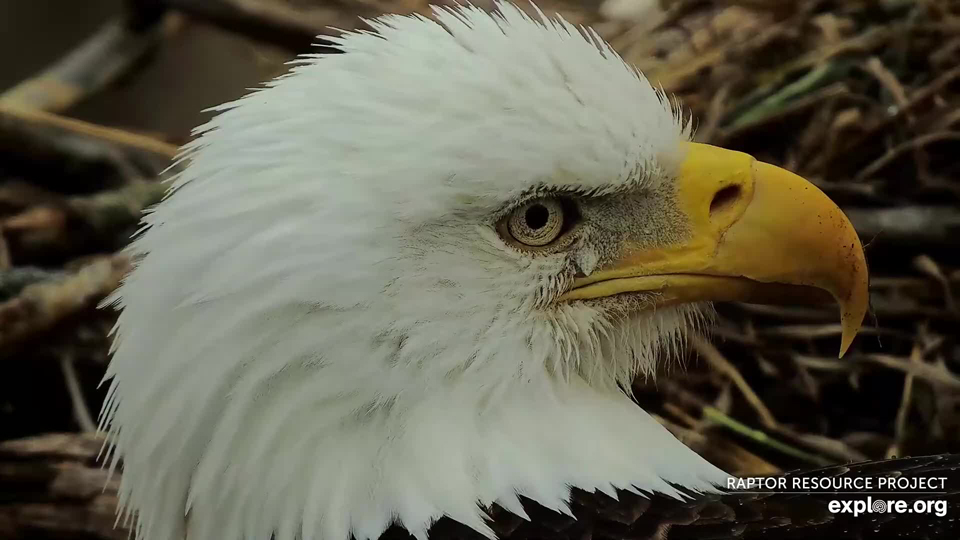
<point>416,279</point>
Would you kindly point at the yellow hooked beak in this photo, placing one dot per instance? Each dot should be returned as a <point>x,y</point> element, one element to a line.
<point>757,233</point>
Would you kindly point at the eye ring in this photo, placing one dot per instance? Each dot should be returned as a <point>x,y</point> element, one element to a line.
<point>538,222</point>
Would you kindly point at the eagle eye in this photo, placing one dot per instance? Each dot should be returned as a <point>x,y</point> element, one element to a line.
<point>538,222</point>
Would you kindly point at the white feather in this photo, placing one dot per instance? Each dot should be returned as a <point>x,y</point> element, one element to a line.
<point>325,335</point>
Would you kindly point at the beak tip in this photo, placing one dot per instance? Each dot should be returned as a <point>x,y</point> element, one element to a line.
<point>851,321</point>
<point>845,343</point>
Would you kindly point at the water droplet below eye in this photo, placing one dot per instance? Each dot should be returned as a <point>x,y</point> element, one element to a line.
<point>586,261</point>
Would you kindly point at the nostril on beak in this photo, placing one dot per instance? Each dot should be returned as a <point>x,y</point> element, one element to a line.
<point>725,199</point>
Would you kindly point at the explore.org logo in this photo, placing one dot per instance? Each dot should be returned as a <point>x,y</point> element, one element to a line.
<point>857,495</point>
<point>889,506</point>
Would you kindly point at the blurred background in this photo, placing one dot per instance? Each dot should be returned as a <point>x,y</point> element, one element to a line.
<point>860,96</point>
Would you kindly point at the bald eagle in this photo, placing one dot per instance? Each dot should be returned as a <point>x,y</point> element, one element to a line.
<point>415,280</point>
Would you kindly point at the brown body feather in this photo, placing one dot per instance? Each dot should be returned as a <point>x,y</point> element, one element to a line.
<point>52,487</point>
<point>735,516</point>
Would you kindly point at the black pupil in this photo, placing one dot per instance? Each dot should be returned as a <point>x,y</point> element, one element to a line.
<point>537,216</point>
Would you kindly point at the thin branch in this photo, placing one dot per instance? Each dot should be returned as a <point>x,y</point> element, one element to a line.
<point>74,226</point>
<point>18,122</point>
<point>884,76</point>
<point>5,262</point>
<point>930,267</point>
<point>41,305</point>
<point>716,359</point>
<point>907,225</point>
<point>682,399</point>
<point>827,446</point>
<point>721,451</point>
<point>53,488</point>
<point>80,411</point>
<point>922,371</point>
<point>271,22</point>
<point>900,424</point>
<point>102,59</point>
<point>715,415</point>
<point>900,150</point>
<point>714,115</point>
<point>919,97</point>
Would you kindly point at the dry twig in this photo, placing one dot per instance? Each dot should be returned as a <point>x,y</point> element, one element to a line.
<point>716,360</point>
<point>53,488</point>
<point>102,59</point>
<point>40,306</point>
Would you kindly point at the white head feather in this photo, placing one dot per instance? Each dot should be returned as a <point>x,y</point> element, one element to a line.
<point>327,335</point>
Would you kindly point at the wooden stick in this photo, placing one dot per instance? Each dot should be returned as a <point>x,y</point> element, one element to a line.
<point>41,305</point>
<point>81,413</point>
<point>102,59</point>
<point>716,360</point>
<point>18,122</point>
<point>53,488</point>
<point>271,22</point>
